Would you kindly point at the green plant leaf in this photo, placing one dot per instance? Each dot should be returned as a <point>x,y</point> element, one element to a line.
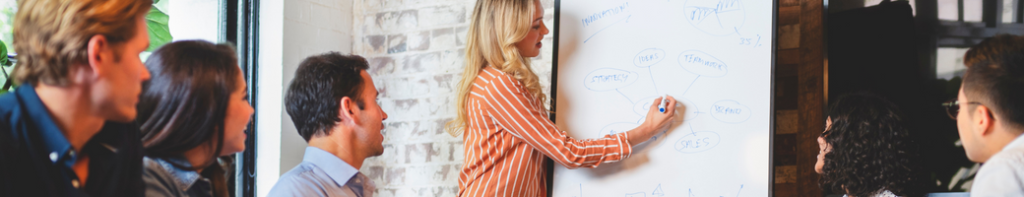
<point>4,62</point>
<point>159,31</point>
<point>3,54</point>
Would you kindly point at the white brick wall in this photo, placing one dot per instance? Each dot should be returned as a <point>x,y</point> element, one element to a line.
<point>415,50</point>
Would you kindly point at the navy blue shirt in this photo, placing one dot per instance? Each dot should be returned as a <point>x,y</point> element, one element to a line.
<point>36,159</point>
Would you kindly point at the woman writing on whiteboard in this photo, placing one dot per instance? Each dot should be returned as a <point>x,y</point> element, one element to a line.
<point>501,111</point>
<point>865,151</point>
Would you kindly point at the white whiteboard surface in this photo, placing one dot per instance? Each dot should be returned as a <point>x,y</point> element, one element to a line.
<point>715,56</point>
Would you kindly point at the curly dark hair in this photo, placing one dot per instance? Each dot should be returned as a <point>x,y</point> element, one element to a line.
<point>872,150</point>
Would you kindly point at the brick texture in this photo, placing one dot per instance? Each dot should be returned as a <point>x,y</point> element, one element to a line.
<point>416,52</point>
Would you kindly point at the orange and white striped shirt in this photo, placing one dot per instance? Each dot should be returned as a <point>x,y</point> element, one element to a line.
<point>508,135</point>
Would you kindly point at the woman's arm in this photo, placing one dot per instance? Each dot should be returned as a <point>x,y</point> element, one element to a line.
<point>515,110</point>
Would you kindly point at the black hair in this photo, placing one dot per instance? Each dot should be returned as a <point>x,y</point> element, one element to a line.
<point>315,94</point>
<point>871,151</point>
<point>184,104</point>
<point>995,76</point>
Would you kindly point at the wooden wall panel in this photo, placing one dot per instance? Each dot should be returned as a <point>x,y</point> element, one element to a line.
<point>800,96</point>
<point>811,95</point>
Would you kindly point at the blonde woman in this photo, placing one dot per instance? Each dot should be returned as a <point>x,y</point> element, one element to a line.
<point>501,111</point>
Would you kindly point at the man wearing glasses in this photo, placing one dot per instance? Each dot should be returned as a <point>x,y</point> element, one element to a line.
<point>992,99</point>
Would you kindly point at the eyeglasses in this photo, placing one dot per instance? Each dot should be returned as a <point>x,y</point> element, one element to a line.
<point>953,107</point>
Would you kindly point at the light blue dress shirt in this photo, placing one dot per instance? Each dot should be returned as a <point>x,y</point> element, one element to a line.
<point>323,174</point>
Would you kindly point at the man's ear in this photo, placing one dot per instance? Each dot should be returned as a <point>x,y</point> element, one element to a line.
<point>345,111</point>
<point>984,121</point>
<point>98,52</point>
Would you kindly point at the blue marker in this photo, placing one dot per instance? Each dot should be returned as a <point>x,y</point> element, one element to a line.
<point>661,106</point>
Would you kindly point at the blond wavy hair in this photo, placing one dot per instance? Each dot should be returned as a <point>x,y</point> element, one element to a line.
<point>51,36</point>
<point>496,26</point>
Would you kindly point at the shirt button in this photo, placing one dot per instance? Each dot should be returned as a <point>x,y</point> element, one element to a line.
<point>71,153</point>
<point>74,183</point>
<point>53,156</point>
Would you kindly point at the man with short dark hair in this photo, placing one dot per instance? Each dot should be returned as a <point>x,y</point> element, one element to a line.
<point>332,102</point>
<point>990,116</point>
<point>66,130</point>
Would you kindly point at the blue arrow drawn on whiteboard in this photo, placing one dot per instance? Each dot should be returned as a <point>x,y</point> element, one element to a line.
<point>610,25</point>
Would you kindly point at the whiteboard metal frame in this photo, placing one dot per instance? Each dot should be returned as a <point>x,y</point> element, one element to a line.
<point>771,124</point>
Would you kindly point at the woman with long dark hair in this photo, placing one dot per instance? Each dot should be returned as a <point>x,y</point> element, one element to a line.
<point>866,150</point>
<point>192,113</point>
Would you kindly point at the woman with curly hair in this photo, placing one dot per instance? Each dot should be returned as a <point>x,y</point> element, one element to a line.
<point>866,150</point>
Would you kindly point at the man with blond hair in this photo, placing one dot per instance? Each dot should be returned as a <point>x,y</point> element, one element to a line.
<point>67,129</point>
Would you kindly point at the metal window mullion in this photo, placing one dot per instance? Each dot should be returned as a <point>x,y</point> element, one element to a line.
<point>960,10</point>
<point>1019,11</point>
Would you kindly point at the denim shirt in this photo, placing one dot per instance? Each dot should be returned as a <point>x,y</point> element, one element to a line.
<point>36,159</point>
<point>163,179</point>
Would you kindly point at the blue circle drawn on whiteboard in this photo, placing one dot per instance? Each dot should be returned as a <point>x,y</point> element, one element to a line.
<point>616,128</point>
<point>696,142</point>
<point>730,111</point>
<point>648,57</point>
<point>715,17</point>
<point>605,79</point>
<point>702,64</point>
<point>643,105</point>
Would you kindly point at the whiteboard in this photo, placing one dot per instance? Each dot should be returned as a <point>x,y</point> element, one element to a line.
<point>715,56</point>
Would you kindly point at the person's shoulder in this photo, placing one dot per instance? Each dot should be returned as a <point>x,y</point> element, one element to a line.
<point>299,180</point>
<point>1006,162</point>
<point>8,120</point>
<point>304,169</point>
<point>10,102</point>
<point>154,171</point>
<point>1009,157</point>
<point>157,179</point>
<point>1001,175</point>
<point>151,166</point>
<point>10,105</point>
<point>885,193</point>
<point>491,75</point>
<point>494,77</point>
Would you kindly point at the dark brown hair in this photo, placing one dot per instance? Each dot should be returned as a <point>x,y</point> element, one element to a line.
<point>995,76</point>
<point>185,104</point>
<point>52,35</point>
<point>315,94</point>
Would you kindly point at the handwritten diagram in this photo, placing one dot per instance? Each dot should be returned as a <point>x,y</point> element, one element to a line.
<point>608,17</point>
<point>691,194</point>
<point>656,193</point>
<point>715,17</point>
<point>694,61</point>
<point>695,142</point>
<point>715,57</point>
<point>730,111</point>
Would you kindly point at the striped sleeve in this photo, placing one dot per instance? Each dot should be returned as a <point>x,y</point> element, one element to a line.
<point>517,112</point>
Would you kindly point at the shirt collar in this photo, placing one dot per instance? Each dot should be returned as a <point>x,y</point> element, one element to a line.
<point>183,178</point>
<point>337,169</point>
<point>57,146</point>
